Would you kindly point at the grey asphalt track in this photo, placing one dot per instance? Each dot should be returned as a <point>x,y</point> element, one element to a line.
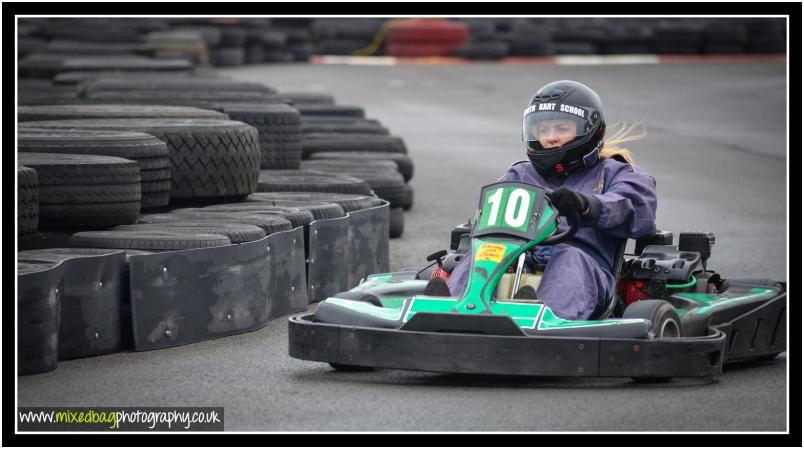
<point>716,144</point>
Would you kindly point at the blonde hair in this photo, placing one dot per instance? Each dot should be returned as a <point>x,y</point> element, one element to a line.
<point>612,145</point>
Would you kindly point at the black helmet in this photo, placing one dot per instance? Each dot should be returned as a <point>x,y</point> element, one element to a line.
<point>572,109</point>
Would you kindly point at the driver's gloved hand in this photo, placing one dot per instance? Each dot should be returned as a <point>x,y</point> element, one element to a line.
<point>568,201</point>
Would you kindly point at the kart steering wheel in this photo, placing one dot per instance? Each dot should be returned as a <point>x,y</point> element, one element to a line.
<point>574,220</point>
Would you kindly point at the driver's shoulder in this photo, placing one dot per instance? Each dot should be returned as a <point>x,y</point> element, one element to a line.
<point>517,170</point>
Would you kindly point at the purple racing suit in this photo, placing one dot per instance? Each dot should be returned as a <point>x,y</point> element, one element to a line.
<point>578,280</point>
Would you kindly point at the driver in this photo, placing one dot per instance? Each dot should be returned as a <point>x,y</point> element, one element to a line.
<point>563,128</point>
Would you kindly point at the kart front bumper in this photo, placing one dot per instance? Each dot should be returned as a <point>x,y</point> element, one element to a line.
<point>505,354</point>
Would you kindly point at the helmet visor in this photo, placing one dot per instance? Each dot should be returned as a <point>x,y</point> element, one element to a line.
<point>557,126</point>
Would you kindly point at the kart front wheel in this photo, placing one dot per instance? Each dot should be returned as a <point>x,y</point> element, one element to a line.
<point>350,368</point>
<point>664,319</point>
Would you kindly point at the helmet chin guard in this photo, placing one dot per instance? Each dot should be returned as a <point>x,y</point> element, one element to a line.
<point>570,110</point>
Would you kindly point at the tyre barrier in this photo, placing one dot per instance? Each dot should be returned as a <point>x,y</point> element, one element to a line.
<point>149,152</point>
<point>77,190</point>
<point>78,302</point>
<point>208,158</point>
<point>27,200</point>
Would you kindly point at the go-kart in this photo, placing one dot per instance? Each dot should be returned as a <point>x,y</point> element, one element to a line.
<point>669,317</point>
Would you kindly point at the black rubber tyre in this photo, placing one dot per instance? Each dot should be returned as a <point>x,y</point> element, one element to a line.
<point>61,46</point>
<point>227,56</point>
<point>232,36</point>
<point>320,210</point>
<point>403,162</point>
<point>182,98</point>
<point>337,119</point>
<point>279,128</point>
<point>147,240</point>
<point>172,85</point>
<point>347,165</point>
<point>295,215</point>
<point>331,142</point>
<point>208,158</point>
<point>396,222</point>
<point>664,319</point>
<point>150,152</point>
<point>317,109</point>
<point>309,98</point>
<point>277,56</point>
<point>111,111</point>
<point>254,54</point>
<point>484,50</point>
<point>349,202</point>
<point>27,200</point>
<point>235,232</point>
<point>351,368</point>
<point>46,66</point>
<point>276,181</point>
<point>269,223</point>
<point>344,127</point>
<point>85,191</point>
<point>273,39</point>
<point>387,183</point>
<point>124,64</point>
<point>407,203</point>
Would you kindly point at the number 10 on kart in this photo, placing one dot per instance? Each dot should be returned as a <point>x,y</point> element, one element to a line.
<point>506,207</point>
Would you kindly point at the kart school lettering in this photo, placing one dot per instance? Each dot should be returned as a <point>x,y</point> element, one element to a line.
<point>574,110</point>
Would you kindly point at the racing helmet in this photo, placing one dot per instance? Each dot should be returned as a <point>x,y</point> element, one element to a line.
<point>570,108</point>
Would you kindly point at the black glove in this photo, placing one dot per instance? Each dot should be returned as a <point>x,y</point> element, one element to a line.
<point>568,201</point>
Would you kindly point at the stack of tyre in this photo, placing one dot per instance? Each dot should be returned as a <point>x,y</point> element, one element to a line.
<point>123,148</point>
<point>426,37</point>
<point>299,37</point>
<point>345,36</point>
<point>340,141</point>
<point>485,41</point>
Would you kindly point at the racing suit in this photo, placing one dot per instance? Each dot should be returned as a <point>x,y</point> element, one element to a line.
<point>578,280</point>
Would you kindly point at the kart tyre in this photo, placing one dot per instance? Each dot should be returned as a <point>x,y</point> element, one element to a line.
<point>350,368</point>
<point>665,322</point>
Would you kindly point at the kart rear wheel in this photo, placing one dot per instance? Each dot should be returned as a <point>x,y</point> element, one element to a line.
<point>665,322</point>
<point>350,368</point>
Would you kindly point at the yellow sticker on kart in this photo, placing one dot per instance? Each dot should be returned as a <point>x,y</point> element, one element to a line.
<point>491,252</point>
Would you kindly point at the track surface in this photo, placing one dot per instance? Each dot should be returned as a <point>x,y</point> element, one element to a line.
<point>717,147</point>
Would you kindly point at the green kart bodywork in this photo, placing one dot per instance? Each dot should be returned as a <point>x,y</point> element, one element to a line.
<point>388,321</point>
